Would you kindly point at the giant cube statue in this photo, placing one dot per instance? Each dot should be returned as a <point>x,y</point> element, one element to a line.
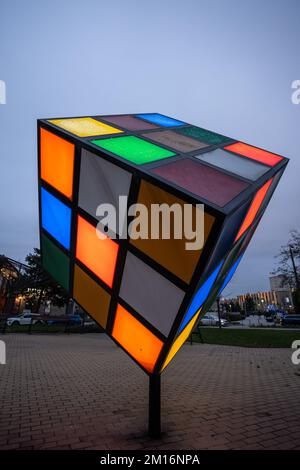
<point>147,294</point>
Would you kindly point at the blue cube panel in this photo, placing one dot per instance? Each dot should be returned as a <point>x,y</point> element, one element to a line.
<point>200,297</point>
<point>56,218</point>
<point>161,120</point>
<point>230,274</point>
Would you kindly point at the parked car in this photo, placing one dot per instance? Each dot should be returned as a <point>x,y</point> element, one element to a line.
<point>25,319</point>
<point>275,316</point>
<point>290,320</point>
<point>90,322</point>
<point>68,319</point>
<point>212,320</point>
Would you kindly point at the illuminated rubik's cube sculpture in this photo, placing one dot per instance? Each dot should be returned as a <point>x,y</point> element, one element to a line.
<point>147,293</point>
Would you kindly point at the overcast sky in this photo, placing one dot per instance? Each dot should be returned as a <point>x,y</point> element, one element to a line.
<point>225,65</point>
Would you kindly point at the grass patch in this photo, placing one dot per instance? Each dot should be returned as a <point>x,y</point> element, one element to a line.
<point>250,338</point>
<point>35,329</point>
<point>51,329</point>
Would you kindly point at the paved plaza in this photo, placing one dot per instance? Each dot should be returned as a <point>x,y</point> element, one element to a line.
<point>83,392</point>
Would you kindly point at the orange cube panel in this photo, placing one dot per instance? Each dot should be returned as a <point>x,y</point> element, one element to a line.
<point>57,162</point>
<point>254,153</point>
<point>99,256</point>
<point>254,208</point>
<point>136,339</point>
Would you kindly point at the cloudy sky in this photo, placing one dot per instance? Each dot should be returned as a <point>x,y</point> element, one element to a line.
<point>225,65</point>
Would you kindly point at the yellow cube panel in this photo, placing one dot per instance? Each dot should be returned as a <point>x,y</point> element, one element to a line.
<point>57,162</point>
<point>180,340</point>
<point>136,339</point>
<point>92,297</point>
<point>85,127</point>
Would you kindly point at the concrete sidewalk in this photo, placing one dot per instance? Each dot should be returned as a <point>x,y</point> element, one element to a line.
<point>83,392</point>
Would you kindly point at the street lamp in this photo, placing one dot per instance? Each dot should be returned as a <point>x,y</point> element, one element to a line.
<point>291,247</point>
<point>219,314</point>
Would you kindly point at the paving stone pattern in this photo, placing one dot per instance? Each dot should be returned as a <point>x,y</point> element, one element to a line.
<point>83,392</point>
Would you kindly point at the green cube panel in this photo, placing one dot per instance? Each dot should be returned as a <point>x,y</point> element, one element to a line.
<point>134,149</point>
<point>55,262</point>
<point>202,134</point>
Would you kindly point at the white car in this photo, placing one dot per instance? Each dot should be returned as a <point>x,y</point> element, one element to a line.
<point>24,319</point>
<point>212,320</point>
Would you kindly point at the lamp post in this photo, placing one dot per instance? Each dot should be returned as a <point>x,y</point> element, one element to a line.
<point>294,266</point>
<point>219,313</point>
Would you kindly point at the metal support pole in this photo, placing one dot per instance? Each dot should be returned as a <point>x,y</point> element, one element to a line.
<point>4,325</point>
<point>200,335</point>
<point>30,326</point>
<point>154,406</point>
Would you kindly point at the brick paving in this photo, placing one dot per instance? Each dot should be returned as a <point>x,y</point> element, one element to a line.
<point>83,392</point>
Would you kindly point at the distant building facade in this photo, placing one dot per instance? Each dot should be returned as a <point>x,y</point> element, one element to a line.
<point>283,291</point>
<point>278,283</point>
<point>260,299</point>
<point>9,273</point>
<point>279,296</point>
